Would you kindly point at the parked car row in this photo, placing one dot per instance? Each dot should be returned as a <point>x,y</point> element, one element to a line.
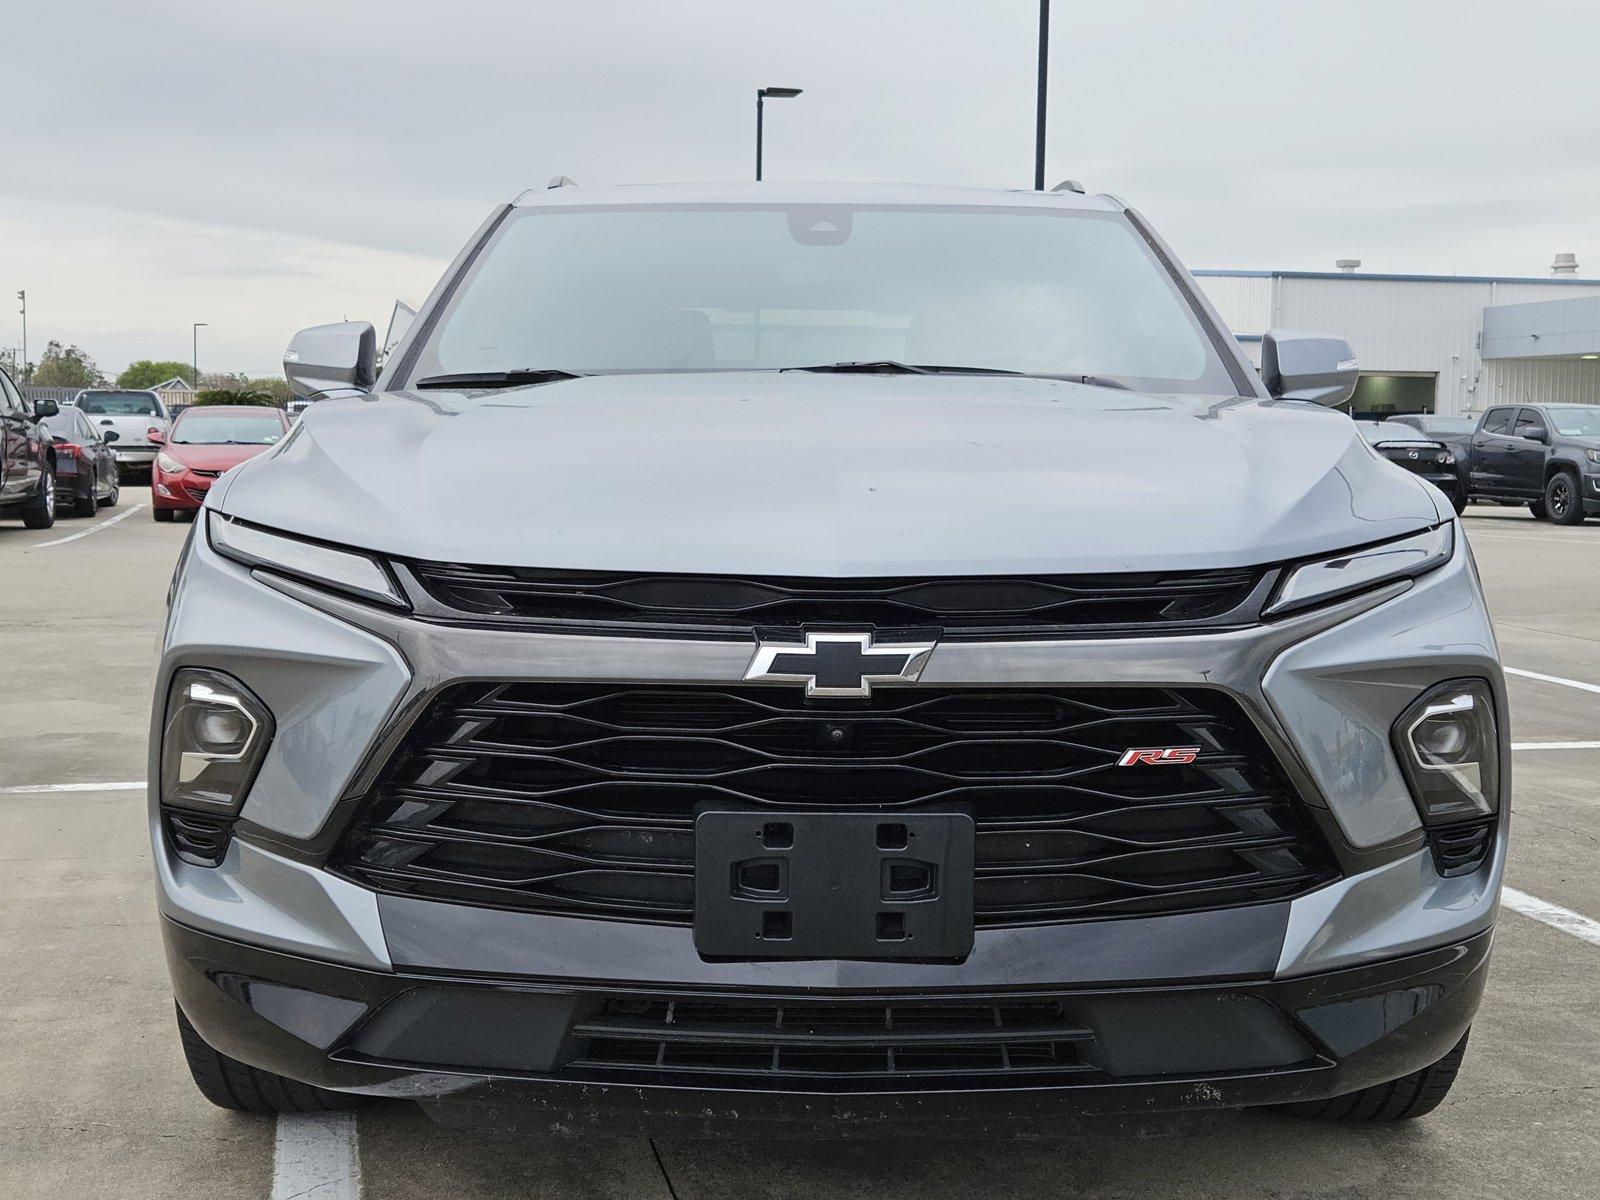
<point>1546,456</point>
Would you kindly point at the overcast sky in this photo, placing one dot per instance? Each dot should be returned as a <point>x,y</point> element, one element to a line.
<point>261,166</point>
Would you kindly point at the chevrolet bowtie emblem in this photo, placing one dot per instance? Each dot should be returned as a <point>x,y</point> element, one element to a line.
<point>838,664</point>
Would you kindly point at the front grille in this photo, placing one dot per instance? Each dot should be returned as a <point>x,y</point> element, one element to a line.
<point>833,1046</point>
<point>580,799</point>
<point>999,606</point>
<point>199,838</point>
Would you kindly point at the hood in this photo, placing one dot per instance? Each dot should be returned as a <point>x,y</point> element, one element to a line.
<point>805,474</point>
<point>212,458</point>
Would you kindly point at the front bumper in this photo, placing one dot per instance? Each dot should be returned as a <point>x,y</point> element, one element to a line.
<point>345,680</point>
<point>183,492</point>
<point>135,456</point>
<point>521,1052</point>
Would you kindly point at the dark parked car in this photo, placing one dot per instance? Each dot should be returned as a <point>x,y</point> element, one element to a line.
<point>1419,454</point>
<point>86,466</point>
<point>1545,455</point>
<point>27,458</point>
<point>1455,432</point>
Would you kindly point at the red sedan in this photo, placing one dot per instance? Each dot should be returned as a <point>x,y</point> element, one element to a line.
<point>202,444</point>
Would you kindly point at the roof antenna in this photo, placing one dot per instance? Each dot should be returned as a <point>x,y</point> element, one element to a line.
<point>560,181</point>
<point>1068,185</point>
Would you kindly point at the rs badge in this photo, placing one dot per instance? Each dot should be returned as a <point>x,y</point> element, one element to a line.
<point>1159,756</point>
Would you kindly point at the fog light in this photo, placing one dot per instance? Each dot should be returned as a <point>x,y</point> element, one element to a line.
<point>1449,748</point>
<point>213,741</point>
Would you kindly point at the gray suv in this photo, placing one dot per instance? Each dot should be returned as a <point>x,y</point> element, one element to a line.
<point>862,656</point>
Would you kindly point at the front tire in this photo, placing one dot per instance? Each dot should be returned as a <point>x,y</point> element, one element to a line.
<point>40,511</point>
<point>163,514</point>
<point>229,1083</point>
<point>1563,499</point>
<point>1403,1099</point>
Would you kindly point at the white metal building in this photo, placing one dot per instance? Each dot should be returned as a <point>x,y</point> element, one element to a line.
<point>1450,344</point>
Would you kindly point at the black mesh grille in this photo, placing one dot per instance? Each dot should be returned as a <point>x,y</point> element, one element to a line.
<point>576,798</point>
<point>973,606</point>
<point>824,1047</point>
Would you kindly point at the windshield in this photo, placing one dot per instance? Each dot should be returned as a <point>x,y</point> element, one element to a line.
<point>1573,420</point>
<point>1389,431</point>
<point>119,404</point>
<point>679,288</point>
<point>1448,425</point>
<point>196,428</point>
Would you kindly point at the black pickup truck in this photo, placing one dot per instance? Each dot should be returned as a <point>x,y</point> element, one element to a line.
<point>1545,455</point>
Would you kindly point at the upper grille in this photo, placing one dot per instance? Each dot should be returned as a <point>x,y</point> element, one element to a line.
<point>576,798</point>
<point>988,606</point>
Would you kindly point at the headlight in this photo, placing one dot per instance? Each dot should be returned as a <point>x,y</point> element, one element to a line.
<point>213,741</point>
<point>1358,570</point>
<point>342,570</point>
<point>169,464</point>
<point>1449,749</point>
<point>1594,456</point>
<point>1447,459</point>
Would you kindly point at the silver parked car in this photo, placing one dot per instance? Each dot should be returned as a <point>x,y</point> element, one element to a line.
<point>913,670</point>
<point>138,418</point>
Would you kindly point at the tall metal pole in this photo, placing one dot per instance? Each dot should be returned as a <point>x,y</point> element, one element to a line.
<point>198,326</point>
<point>760,101</point>
<point>23,296</point>
<point>1044,70</point>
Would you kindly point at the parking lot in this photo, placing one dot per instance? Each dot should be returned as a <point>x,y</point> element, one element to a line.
<point>94,1098</point>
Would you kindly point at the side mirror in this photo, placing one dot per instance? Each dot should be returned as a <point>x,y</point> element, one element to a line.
<point>1308,366</point>
<point>109,436</point>
<point>329,360</point>
<point>45,408</point>
<point>154,436</point>
<point>1537,435</point>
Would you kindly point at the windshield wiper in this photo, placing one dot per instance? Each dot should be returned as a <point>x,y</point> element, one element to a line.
<point>521,377</point>
<point>889,366</point>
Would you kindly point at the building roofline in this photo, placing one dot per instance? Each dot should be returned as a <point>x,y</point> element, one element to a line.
<point>1557,280</point>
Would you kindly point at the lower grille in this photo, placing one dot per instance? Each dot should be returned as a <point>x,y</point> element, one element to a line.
<point>580,799</point>
<point>1461,849</point>
<point>906,1045</point>
<point>199,838</point>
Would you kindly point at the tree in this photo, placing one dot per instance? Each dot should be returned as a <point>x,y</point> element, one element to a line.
<point>65,367</point>
<point>234,396</point>
<point>147,373</point>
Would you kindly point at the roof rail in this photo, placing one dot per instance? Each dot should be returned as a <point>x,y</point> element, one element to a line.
<point>1068,185</point>
<point>559,181</point>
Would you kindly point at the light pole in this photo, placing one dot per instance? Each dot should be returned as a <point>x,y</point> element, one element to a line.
<point>762,94</point>
<point>198,326</point>
<point>23,296</point>
<point>1044,69</point>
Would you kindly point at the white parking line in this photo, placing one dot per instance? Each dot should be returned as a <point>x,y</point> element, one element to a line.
<point>40,789</point>
<point>121,516</point>
<point>1555,745</point>
<point>1571,683</point>
<point>1579,926</point>
<point>315,1157</point>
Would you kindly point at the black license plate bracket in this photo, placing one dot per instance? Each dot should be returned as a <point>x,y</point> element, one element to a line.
<point>833,885</point>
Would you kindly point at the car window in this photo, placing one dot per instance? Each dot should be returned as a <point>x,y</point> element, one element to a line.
<point>1576,420</point>
<point>764,287</point>
<point>1446,425</point>
<point>86,429</point>
<point>10,400</point>
<point>1529,423</point>
<point>200,428</point>
<point>1389,431</point>
<point>119,404</point>
<point>1498,420</point>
